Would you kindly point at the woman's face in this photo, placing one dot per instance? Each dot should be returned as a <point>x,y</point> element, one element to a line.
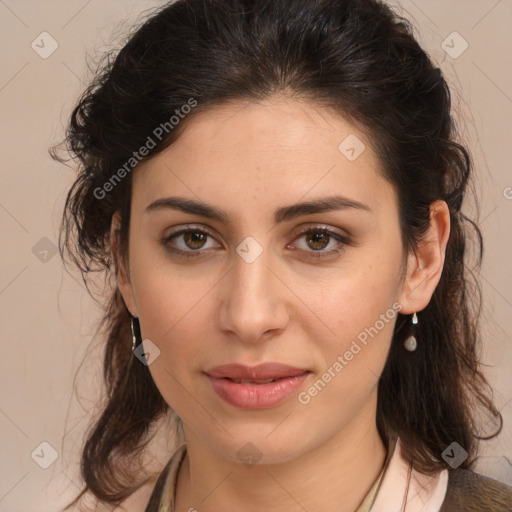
<point>251,287</point>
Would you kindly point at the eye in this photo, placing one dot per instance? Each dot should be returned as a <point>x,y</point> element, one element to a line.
<point>192,240</point>
<point>318,238</point>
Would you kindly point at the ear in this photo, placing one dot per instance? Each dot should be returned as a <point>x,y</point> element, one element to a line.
<point>425,264</point>
<point>122,272</point>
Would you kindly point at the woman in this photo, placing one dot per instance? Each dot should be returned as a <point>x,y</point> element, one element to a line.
<point>277,188</point>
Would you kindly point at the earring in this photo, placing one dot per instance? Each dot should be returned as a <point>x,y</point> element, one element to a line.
<point>411,343</point>
<point>135,332</point>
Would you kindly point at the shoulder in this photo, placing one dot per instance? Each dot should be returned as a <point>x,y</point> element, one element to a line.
<point>472,492</point>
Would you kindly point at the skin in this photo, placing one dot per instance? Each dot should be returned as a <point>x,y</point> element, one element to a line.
<point>286,306</point>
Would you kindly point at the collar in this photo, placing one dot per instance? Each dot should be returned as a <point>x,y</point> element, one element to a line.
<point>401,488</point>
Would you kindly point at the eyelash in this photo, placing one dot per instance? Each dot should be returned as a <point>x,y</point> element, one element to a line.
<point>343,241</point>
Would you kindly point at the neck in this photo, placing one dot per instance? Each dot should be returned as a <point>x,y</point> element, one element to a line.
<point>336,476</point>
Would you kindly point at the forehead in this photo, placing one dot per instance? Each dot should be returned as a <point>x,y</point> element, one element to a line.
<point>275,124</point>
<point>276,151</point>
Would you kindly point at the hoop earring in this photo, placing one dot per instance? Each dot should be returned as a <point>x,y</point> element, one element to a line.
<point>411,343</point>
<point>136,336</point>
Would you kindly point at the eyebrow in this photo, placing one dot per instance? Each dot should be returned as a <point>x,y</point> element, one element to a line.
<point>281,214</point>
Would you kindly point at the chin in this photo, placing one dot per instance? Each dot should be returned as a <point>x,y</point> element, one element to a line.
<point>255,446</point>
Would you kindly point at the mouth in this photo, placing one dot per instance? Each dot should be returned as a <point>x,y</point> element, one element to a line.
<point>255,381</point>
<point>265,372</point>
<point>258,387</point>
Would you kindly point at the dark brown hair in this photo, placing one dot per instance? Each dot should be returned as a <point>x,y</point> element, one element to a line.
<point>357,58</point>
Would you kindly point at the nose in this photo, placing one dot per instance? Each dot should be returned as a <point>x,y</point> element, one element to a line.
<point>254,301</point>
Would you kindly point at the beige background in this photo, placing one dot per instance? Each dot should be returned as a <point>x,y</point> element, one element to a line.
<point>47,318</point>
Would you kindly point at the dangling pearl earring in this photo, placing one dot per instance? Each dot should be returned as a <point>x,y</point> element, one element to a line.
<point>411,343</point>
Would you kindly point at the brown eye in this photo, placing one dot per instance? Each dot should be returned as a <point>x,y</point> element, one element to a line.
<point>194,239</point>
<point>188,242</point>
<point>193,242</point>
<point>318,239</point>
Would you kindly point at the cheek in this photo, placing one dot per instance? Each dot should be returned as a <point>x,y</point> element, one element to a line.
<point>174,315</point>
<point>360,293</point>
<point>173,310</point>
<point>354,357</point>
<point>170,297</point>
<point>360,310</point>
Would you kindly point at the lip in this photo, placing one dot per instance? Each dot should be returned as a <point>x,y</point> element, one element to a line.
<point>256,396</point>
<point>260,372</point>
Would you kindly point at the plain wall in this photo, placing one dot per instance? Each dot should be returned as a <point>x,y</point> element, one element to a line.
<point>48,319</point>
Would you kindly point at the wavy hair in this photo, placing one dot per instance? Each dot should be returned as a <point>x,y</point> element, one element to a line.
<point>358,58</point>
